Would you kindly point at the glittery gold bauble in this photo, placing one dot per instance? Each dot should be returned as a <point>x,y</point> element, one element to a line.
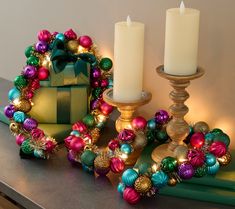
<point>201,126</point>
<point>143,184</point>
<point>225,159</point>
<point>23,105</point>
<point>72,45</point>
<point>172,182</point>
<point>45,61</point>
<point>102,162</point>
<point>14,128</point>
<point>95,134</point>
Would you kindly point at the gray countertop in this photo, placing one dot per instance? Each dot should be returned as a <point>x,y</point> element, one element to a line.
<point>56,184</point>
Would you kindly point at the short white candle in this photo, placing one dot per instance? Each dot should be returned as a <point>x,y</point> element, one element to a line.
<point>128,60</point>
<point>181,40</point>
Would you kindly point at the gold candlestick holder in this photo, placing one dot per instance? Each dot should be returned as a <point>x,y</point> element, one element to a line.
<point>126,109</point>
<point>177,129</point>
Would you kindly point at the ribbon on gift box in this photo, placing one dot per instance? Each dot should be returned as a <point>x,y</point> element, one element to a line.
<point>60,57</point>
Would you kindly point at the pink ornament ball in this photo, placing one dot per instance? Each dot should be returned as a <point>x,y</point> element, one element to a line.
<point>44,35</point>
<point>196,157</point>
<point>37,134</point>
<point>218,148</point>
<point>117,165</point>
<point>104,83</point>
<point>106,108</point>
<point>80,126</point>
<point>70,34</point>
<point>85,41</point>
<point>197,140</point>
<point>131,195</point>
<point>139,123</point>
<point>50,146</point>
<point>35,85</point>
<point>77,144</point>
<point>126,135</point>
<point>29,95</point>
<point>19,139</point>
<point>113,144</point>
<point>67,141</point>
<point>95,83</point>
<point>43,73</point>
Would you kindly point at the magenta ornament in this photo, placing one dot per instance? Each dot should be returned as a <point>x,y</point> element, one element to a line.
<point>50,146</point>
<point>139,123</point>
<point>186,171</point>
<point>9,111</point>
<point>37,134</point>
<point>29,71</point>
<point>80,126</point>
<point>30,124</point>
<point>197,140</point>
<point>104,83</point>
<point>19,139</point>
<point>126,135</point>
<point>85,41</point>
<point>70,34</point>
<point>196,157</point>
<point>117,165</point>
<point>113,144</point>
<point>131,195</point>
<point>95,104</point>
<point>29,94</point>
<point>41,47</point>
<point>44,35</point>
<point>77,144</point>
<point>218,148</point>
<point>106,108</point>
<point>67,141</point>
<point>95,83</point>
<point>96,73</point>
<point>161,116</point>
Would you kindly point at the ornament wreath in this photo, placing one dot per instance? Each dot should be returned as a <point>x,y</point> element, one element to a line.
<point>206,152</point>
<point>32,141</point>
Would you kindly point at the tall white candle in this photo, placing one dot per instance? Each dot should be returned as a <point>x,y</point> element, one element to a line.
<point>181,40</point>
<point>128,60</point>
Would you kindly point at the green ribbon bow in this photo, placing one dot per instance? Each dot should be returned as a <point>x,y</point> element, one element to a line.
<point>60,57</point>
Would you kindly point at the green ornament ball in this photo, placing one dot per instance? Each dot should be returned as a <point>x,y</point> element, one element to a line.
<point>200,172</point>
<point>222,137</point>
<point>26,147</point>
<point>20,82</point>
<point>150,135</point>
<point>97,92</point>
<point>162,136</point>
<point>216,131</point>
<point>88,157</point>
<point>89,120</point>
<point>32,60</point>
<point>29,51</point>
<point>106,64</point>
<point>169,164</point>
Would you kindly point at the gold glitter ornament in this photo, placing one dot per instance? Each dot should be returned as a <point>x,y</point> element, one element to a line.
<point>225,159</point>
<point>95,134</point>
<point>14,128</point>
<point>102,164</point>
<point>72,45</point>
<point>172,182</point>
<point>201,126</point>
<point>23,105</point>
<point>143,184</point>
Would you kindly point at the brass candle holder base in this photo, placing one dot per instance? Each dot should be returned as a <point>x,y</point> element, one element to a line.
<point>177,129</point>
<point>126,109</point>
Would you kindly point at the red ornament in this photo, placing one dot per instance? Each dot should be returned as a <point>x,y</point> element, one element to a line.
<point>35,84</point>
<point>218,148</point>
<point>196,157</point>
<point>67,141</point>
<point>95,83</point>
<point>106,108</point>
<point>197,140</point>
<point>104,83</point>
<point>113,144</point>
<point>50,146</point>
<point>117,165</point>
<point>139,123</point>
<point>44,35</point>
<point>43,73</point>
<point>70,34</point>
<point>19,139</point>
<point>126,135</point>
<point>85,41</point>
<point>77,144</point>
<point>29,95</point>
<point>80,126</point>
<point>131,195</point>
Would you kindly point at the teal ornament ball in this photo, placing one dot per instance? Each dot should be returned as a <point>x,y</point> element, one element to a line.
<point>38,153</point>
<point>100,125</point>
<point>159,179</point>
<point>75,133</point>
<point>169,164</point>
<point>88,169</point>
<point>89,120</point>
<point>151,124</point>
<point>129,176</point>
<point>19,117</point>
<point>210,159</point>
<point>106,64</point>
<point>20,82</point>
<point>26,147</point>
<point>32,60</point>
<point>13,94</point>
<point>161,136</point>
<point>212,170</point>
<point>88,157</point>
<point>60,36</point>
<point>126,148</point>
<point>29,51</point>
<point>110,80</point>
<point>144,168</point>
<point>120,188</point>
<point>200,172</point>
<point>222,137</point>
<point>209,137</point>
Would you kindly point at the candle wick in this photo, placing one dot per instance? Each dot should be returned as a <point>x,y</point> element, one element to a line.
<point>182,8</point>
<point>128,20</point>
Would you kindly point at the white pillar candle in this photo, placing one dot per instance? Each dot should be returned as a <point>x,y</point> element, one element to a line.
<point>128,60</point>
<point>181,40</point>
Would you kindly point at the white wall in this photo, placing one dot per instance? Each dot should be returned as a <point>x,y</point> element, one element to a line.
<point>212,96</point>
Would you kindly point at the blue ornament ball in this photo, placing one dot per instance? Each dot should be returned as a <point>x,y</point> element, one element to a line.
<point>129,176</point>
<point>209,137</point>
<point>159,179</point>
<point>126,148</point>
<point>19,117</point>
<point>212,170</point>
<point>13,94</point>
<point>88,169</point>
<point>121,187</point>
<point>110,80</point>
<point>60,36</point>
<point>75,133</point>
<point>151,124</point>
<point>210,159</point>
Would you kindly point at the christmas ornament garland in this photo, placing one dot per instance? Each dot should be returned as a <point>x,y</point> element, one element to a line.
<point>206,152</point>
<point>57,49</point>
<point>82,149</point>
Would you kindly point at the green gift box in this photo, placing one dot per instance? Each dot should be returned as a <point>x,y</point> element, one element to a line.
<point>60,105</point>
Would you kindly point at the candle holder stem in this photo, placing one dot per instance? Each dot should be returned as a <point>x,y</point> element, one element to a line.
<point>177,128</point>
